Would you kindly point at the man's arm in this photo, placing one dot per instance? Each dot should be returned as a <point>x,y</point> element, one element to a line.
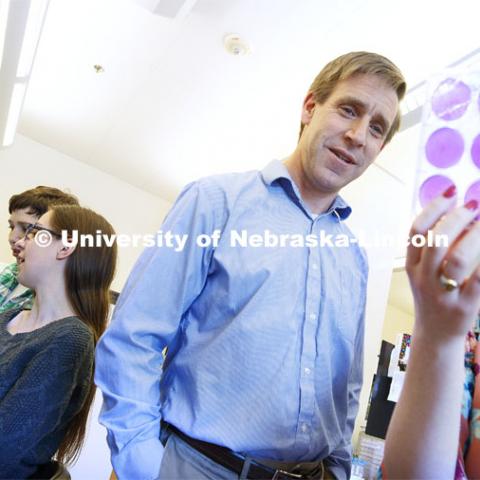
<point>339,462</point>
<point>160,289</point>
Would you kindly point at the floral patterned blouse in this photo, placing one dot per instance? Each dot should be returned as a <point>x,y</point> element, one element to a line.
<point>468,462</point>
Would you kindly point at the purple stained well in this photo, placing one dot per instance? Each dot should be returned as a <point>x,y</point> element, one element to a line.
<point>444,147</point>
<point>450,100</point>
<point>432,188</point>
<point>473,193</point>
<point>475,151</point>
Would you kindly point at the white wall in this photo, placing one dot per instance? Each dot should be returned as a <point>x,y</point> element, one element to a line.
<point>130,210</point>
<point>396,321</point>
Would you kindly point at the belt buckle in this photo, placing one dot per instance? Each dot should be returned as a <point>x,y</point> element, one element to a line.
<point>279,473</point>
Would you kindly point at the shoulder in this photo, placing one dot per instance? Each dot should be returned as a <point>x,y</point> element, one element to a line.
<point>216,195</point>
<point>71,339</point>
<point>5,317</point>
<point>8,272</point>
<point>8,267</point>
<point>228,185</point>
<point>73,330</point>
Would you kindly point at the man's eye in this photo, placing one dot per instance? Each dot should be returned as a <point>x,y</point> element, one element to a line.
<point>347,110</point>
<point>377,130</point>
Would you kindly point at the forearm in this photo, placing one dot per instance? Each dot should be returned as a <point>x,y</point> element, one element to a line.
<point>422,439</point>
<point>133,424</point>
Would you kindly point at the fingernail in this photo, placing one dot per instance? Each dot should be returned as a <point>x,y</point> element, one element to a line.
<point>450,191</point>
<point>472,205</point>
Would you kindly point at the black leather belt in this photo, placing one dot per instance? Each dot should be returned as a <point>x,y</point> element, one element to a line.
<point>236,463</point>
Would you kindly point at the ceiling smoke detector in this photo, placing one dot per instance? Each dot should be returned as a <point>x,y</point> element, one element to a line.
<point>235,45</point>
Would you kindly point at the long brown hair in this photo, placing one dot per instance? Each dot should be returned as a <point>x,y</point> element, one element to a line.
<point>89,271</point>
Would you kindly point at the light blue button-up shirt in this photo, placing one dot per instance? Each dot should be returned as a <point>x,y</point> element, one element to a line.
<point>265,344</point>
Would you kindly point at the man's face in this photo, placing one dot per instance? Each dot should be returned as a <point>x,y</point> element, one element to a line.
<point>343,136</point>
<point>18,221</point>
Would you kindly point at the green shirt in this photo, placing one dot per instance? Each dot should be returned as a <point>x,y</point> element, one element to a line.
<point>8,283</point>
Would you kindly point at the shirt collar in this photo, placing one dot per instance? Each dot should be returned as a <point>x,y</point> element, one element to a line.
<point>276,171</point>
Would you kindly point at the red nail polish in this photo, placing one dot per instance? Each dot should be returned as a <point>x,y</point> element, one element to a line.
<point>450,191</point>
<point>472,205</point>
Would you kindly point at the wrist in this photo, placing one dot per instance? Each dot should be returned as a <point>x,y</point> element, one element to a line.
<point>439,330</point>
<point>437,342</point>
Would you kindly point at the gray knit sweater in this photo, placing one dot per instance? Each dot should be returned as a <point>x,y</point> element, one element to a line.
<point>44,379</point>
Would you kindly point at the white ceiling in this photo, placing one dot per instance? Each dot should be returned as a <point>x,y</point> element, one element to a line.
<point>172,105</point>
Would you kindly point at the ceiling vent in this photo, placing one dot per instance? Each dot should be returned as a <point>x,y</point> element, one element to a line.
<point>174,9</point>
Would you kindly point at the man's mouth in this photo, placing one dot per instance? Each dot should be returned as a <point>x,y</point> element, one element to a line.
<point>343,155</point>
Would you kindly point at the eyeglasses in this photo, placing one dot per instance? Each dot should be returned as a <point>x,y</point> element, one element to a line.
<point>32,229</point>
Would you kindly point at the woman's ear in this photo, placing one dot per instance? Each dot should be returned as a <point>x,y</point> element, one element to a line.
<point>65,251</point>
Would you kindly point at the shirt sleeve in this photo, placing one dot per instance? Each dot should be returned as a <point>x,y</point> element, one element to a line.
<point>158,292</point>
<point>339,462</point>
<point>8,281</point>
<point>38,401</point>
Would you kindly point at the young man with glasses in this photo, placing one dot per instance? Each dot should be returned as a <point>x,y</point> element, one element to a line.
<point>25,209</point>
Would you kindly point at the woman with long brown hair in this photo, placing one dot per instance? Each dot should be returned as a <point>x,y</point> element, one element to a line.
<point>47,353</point>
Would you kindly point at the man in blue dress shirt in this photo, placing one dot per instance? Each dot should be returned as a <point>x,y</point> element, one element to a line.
<point>262,308</point>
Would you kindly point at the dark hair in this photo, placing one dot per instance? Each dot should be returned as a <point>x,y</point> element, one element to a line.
<point>89,271</point>
<point>355,63</point>
<point>40,199</point>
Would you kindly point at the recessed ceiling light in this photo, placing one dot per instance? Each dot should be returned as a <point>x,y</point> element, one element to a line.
<point>234,45</point>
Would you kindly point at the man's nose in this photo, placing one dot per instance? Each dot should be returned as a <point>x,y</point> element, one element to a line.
<point>19,242</point>
<point>14,236</point>
<point>357,133</point>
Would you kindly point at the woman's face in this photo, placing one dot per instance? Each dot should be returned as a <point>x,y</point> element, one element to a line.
<point>37,252</point>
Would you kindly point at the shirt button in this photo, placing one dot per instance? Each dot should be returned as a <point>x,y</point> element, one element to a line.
<point>313,316</point>
<point>304,427</point>
<point>307,371</point>
<point>315,266</point>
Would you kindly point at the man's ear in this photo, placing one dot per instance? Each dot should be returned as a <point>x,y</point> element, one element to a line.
<point>65,251</point>
<point>308,108</point>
